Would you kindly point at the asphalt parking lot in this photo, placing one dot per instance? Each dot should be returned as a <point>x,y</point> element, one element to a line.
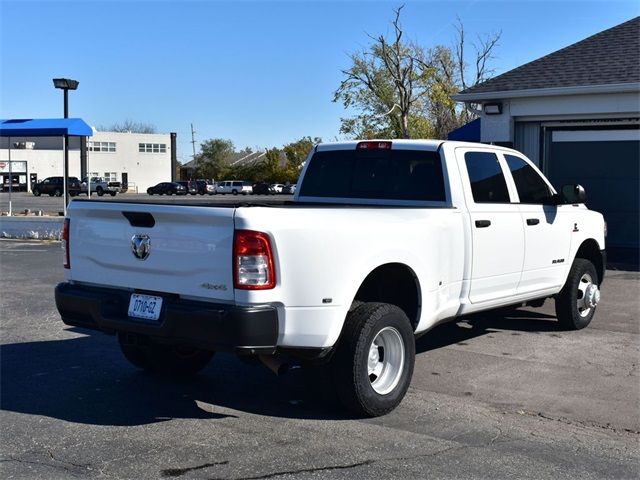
<point>52,205</point>
<point>501,395</point>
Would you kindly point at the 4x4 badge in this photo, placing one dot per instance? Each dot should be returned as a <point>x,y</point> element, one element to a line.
<point>140,246</point>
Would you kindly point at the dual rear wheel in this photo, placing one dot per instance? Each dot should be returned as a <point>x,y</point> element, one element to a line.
<point>373,363</point>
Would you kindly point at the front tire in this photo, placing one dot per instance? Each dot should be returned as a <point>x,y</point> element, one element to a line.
<point>57,192</point>
<point>36,192</point>
<point>163,359</point>
<point>373,363</point>
<point>100,191</point>
<point>113,194</point>
<point>577,301</point>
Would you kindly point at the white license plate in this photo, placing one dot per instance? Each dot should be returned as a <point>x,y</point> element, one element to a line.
<point>145,306</point>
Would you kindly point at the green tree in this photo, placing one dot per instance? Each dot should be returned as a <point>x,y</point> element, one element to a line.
<point>389,84</point>
<point>402,90</point>
<point>296,153</point>
<point>214,157</point>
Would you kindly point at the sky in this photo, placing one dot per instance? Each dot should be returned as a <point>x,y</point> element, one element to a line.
<point>260,73</point>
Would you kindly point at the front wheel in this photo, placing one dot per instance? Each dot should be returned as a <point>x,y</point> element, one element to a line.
<point>373,363</point>
<point>143,353</point>
<point>57,192</point>
<point>577,301</point>
<point>100,191</point>
<point>36,192</point>
<point>113,194</point>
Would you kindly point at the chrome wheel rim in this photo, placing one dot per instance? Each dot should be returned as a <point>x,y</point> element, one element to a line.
<point>588,295</point>
<point>385,362</point>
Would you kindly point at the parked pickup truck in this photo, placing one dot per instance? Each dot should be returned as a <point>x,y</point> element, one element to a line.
<point>382,241</point>
<point>100,186</point>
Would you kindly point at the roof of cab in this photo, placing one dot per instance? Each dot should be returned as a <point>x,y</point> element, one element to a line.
<point>431,145</point>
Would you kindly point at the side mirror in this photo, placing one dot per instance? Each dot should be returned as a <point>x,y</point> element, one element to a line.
<point>573,194</point>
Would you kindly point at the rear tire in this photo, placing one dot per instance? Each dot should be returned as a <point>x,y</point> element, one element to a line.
<point>574,303</point>
<point>113,194</point>
<point>143,353</point>
<point>100,191</point>
<point>373,363</point>
<point>57,192</point>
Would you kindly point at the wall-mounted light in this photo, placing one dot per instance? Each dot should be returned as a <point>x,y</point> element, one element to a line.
<point>492,108</point>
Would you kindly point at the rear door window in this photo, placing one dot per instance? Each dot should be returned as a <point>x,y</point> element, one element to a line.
<point>488,184</point>
<point>375,174</point>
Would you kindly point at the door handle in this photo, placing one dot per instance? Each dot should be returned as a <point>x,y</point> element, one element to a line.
<point>483,223</point>
<point>533,221</point>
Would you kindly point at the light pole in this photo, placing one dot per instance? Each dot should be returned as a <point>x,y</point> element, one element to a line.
<point>66,84</point>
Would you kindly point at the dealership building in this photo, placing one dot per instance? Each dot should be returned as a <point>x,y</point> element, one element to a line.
<point>137,160</point>
<point>576,114</point>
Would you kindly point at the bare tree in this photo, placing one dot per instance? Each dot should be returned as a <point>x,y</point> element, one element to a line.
<point>130,126</point>
<point>403,90</point>
<point>387,82</point>
<point>483,49</point>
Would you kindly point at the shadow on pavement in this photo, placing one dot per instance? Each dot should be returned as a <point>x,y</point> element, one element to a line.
<point>86,380</point>
<point>472,326</point>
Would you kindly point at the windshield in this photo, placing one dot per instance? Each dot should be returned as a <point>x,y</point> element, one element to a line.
<point>375,174</point>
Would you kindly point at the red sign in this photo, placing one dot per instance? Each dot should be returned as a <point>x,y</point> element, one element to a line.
<point>2,165</point>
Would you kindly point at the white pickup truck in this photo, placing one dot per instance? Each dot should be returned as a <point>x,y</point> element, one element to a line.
<point>382,241</point>
<point>98,185</point>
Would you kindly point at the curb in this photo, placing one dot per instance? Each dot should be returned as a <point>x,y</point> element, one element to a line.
<point>45,228</point>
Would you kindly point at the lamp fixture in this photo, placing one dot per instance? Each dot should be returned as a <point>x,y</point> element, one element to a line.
<point>492,108</point>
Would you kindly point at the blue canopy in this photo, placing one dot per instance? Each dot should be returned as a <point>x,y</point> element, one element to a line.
<point>45,127</point>
<point>469,132</point>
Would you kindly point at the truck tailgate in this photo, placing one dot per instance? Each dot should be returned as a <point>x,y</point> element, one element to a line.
<point>190,248</point>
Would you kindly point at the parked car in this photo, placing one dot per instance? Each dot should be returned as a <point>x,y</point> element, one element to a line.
<point>167,188</point>
<point>234,187</point>
<point>55,186</point>
<point>384,240</point>
<point>261,188</point>
<point>209,187</point>
<point>203,187</point>
<point>289,189</point>
<point>277,187</point>
<point>99,186</point>
<point>190,187</point>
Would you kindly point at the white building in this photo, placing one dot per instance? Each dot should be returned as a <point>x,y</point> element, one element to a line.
<point>138,160</point>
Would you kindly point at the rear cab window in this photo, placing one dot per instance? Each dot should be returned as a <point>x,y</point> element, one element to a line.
<point>384,174</point>
<point>488,184</point>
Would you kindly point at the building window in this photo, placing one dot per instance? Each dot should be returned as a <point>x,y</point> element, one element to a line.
<point>152,147</point>
<point>101,146</point>
<point>110,176</point>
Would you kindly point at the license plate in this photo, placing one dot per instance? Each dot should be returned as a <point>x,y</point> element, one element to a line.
<point>145,306</point>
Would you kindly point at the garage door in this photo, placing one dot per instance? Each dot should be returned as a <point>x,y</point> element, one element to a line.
<point>607,164</point>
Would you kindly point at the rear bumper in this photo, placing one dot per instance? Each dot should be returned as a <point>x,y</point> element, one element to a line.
<point>205,325</point>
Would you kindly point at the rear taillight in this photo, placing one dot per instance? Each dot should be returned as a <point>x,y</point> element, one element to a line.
<point>373,146</point>
<point>65,243</point>
<point>253,261</point>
